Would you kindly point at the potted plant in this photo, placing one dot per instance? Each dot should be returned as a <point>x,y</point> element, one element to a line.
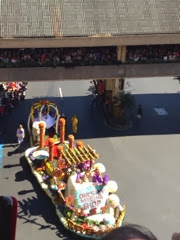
<point>121,102</point>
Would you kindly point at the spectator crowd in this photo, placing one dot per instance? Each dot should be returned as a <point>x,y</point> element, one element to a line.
<point>52,57</point>
<point>11,93</point>
<point>58,56</point>
<point>156,53</point>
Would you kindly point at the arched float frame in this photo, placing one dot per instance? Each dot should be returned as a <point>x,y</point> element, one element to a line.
<point>40,105</point>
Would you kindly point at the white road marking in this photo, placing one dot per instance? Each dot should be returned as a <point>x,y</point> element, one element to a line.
<point>60,93</point>
<point>161,111</point>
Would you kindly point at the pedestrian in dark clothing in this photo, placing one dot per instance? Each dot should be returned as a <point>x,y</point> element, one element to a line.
<point>96,86</point>
<point>94,100</point>
<point>1,88</point>
<point>139,111</point>
<point>101,102</point>
<point>106,103</point>
<point>22,96</point>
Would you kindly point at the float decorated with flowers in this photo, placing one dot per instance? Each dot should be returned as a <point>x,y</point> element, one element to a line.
<point>84,197</point>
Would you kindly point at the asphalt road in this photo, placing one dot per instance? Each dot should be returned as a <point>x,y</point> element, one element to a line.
<point>144,160</point>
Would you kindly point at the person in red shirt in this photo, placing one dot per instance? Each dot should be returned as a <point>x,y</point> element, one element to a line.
<point>43,57</point>
<point>101,87</point>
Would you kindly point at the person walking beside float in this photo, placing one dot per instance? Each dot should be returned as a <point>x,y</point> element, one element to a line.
<point>20,134</point>
<point>74,121</point>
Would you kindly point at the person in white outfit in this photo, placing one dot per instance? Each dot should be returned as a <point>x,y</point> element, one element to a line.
<point>20,134</point>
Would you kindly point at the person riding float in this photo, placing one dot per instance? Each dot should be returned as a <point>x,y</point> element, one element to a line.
<point>74,121</point>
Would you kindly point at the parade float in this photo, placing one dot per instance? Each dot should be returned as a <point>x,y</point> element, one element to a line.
<point>83,196</point>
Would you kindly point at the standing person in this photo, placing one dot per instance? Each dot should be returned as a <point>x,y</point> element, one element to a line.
<point>101,87</point>
<point>5,96</point>
<point>20,134</point>
<point>96,86</point>
<point>139,111</point>
<point>74,121</point>
<point>101,102</point>
<point>22,96</point>
<point>106,103</point>
<point>94,100</point>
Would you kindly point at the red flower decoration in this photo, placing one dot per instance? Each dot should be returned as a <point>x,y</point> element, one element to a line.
<point>84,225</point>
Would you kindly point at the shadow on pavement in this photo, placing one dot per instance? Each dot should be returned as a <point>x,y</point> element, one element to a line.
<point>11,166</point>
<point>91,120</point>
<point>19,149</point>
<point>23,192</point>
<point>31,208</point>
<point>9,145</point>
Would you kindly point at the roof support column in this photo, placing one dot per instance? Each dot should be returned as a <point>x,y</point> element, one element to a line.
<point>124,51</point>
<point>121,53</point>
<point>113,86</point>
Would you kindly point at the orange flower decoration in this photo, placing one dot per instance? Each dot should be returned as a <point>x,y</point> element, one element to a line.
<point>61,185</point>
<point>69,200</point>
<point>103,209</point>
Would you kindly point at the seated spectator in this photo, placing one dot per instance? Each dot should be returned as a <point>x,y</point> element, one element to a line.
<point>153,53</point>
<point>5,60</point>
<point>56,59</point>
<point>171,56</point>
<point>39,61</point>
<point>136,57</point>
<point>43,58</point>
<point>68,59</point>
<point>176,54</point>
<point>13,60</point>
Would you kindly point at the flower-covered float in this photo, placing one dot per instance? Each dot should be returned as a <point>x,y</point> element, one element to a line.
<point>80,190</point>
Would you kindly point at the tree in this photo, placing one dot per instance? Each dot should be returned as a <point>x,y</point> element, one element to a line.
<point>120,104</point>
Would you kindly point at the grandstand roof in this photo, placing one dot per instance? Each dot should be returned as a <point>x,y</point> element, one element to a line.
<point>70,18</point>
